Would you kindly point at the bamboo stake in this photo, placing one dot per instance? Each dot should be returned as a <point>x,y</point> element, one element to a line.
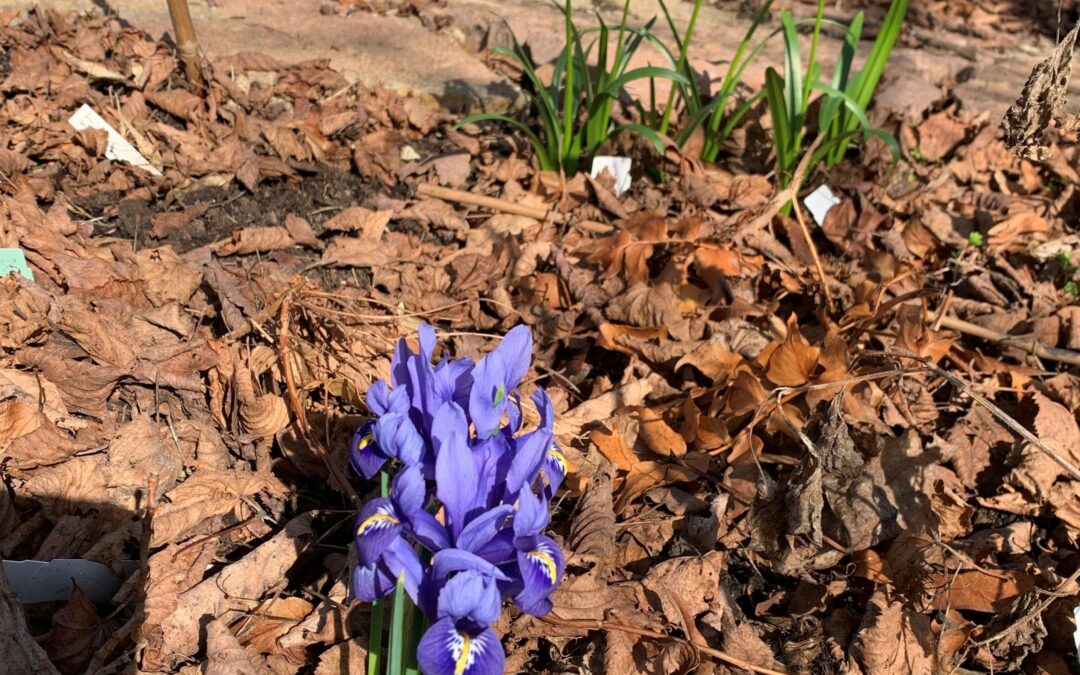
<point>186,43</point>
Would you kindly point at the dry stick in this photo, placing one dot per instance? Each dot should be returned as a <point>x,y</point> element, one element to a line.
<point>997,412</point>
<point>1029,345</point>
<point>186,43</point>
<point>813,252</point>
<point>268,312</point>
<point>596,624</point>
<point>496,204</point>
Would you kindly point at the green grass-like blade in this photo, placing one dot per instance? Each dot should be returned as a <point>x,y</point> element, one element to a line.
<point>541,97</point>
<point>546,162</point>
<point>859,114</point>
<point>399,641</point>
<point>868,78</point>
<point>793,73</point>
<point>645,72</point>
<point>828,123</point>
<point>689,91</point>
<point>781,132</point>
<point>569,94</point>
<point>644,131</point>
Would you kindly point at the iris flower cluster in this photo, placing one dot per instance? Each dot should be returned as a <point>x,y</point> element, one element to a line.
<point>462,526</point>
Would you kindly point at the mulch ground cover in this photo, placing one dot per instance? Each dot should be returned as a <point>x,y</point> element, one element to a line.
<point>774,467</point>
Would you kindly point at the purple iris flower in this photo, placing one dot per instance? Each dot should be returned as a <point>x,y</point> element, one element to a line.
<point>540,560</point>
<point>462,526</point>
<point>461,641</point>
<point>495,378</point>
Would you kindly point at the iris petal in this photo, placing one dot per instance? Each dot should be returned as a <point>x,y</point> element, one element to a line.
<point>447,649</point>
<point>377,525</point>
<point>364,453</point>
<point>541,571</point>
<point>555,468</point>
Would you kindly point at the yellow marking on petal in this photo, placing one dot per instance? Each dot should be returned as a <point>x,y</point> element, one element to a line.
<point>548,563</point>
<point>367,440</point>
<point>375,520</point>
<point>558,458</point>
<point>463,658</point>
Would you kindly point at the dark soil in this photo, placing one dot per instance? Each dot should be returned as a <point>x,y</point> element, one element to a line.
<point>317,198</point>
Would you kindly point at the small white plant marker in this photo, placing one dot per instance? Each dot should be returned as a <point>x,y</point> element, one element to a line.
<point>117,149</point>
<point>618,167</point>
<point>820,202</point>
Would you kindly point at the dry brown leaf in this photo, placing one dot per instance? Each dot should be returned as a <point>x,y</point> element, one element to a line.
<point>592,532</point>
<point>1017,233</point>
<point>209,494</point>
<point>344,657</point>
<point>257,240</point>
<point>170,222</point>
<point>940,134</point>
<point>892,640</point>
<point>366,223</point>
<point>353,252</point>
<point>615,439</point>
<point>226,656</point>
<point>261,415</point>
<point>84,386</point>
<point>17,420</point>
<point>1041,102</point>
<point>792,363</point>
<point>601,407</point>
<point>694,579</point>
<point>713,360</point>
<point>301,232</point>
<point>980,591</point>
<point>76,634</point>
<point>250,577</point>
<point>273,620</point>
<point>660,438</point>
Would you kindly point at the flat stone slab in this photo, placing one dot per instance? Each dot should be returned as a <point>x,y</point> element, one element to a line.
<point>395,52</point>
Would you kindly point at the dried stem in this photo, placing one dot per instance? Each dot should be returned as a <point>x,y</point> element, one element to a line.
<point>186,43</point>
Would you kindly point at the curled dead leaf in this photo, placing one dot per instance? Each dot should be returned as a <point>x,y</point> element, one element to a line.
<point>261,415</point>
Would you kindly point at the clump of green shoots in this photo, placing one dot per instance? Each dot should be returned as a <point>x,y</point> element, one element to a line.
<point>575,107</point>
<point>711,113</point>
<point>844,100</point>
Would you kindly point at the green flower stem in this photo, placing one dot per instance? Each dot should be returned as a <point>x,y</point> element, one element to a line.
<point>399,641</point>
<point>377,607</point>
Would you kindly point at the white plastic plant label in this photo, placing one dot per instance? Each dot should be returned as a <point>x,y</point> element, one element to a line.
<point>1076,631</point>
<point>40,581</point>
<point>820,202</point>
<point>118,149</point>
<point>618,167</point>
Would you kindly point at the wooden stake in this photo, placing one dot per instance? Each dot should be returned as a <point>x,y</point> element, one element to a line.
<point>186,43</point>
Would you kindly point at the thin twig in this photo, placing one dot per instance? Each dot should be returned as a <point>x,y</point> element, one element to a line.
<point>1029,345</point>
<point>813,252</point>
<point>266,314</point>
<point>997,412</point>
<point>496,204</point>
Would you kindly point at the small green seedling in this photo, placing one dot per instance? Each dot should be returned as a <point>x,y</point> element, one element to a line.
<point>975,239</point>
<point>1072,289</point>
